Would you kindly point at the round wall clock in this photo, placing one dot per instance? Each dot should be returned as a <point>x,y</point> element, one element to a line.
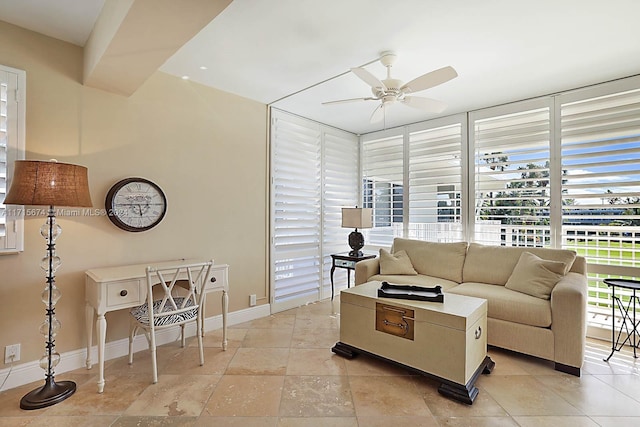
<point>135,204</point>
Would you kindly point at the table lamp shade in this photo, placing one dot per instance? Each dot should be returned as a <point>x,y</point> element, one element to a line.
<point>356,218</point>
<point>48,183</point>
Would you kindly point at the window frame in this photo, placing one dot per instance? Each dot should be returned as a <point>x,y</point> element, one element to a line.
<point>13,241</point>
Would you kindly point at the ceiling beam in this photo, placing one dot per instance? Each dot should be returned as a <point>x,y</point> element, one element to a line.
<point>133,38</point>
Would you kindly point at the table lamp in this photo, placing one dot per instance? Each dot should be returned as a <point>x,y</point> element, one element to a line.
<point>49,183</point>
<point>356,218</point>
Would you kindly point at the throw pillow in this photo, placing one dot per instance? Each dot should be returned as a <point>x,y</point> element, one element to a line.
<point>535,276</point>
<point>396,263</point>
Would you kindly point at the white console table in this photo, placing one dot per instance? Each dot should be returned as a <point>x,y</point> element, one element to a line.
<point>117,288</point>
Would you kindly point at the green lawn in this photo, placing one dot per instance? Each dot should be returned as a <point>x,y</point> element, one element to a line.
<point>620,253</point>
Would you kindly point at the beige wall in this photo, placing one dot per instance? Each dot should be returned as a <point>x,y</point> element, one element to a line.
<point>206,149</point>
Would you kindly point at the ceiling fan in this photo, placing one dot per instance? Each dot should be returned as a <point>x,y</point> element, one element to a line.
<point>391,90</point>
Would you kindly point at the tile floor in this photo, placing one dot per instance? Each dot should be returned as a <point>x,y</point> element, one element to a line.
<point>279,371</point>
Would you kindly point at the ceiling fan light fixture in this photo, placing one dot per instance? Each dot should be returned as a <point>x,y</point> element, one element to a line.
<point>390,90</point>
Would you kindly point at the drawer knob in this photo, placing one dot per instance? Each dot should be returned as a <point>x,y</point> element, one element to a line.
<point>213,280</point>
<point>478,332</point>
<point>123,293</point>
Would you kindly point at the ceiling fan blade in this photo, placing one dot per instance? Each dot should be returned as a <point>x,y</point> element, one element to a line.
<point>378,114</point>
<point>343,101</point>
<point>427,104</point>
<point>368,78</point>
<point>429,80</point>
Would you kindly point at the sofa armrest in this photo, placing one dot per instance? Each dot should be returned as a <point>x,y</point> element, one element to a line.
<point>569,319</point>
<point>366,269</point>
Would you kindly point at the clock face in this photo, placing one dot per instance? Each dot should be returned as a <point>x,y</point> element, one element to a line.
<point>135,204</point>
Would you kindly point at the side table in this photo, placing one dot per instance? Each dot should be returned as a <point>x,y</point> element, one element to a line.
<point>348,262</point>
<point>633,337</point>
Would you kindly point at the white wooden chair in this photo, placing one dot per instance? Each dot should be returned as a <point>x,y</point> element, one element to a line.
<point>177,302</point>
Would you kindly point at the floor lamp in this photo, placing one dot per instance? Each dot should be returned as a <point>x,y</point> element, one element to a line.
<point>49,183</point>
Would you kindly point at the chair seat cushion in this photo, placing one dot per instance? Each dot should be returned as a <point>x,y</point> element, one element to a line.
<point>141,313</point>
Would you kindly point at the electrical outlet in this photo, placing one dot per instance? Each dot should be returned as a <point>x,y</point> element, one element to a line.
<point>11,353</point>
<point>252,300</point>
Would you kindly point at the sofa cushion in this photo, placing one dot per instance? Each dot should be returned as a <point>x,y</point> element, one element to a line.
<point>396,263</point>
<point>419,280</point>
<point>535,276</point>
<point>494,264</point>
<point>508,305</point>
<point>443,260</point>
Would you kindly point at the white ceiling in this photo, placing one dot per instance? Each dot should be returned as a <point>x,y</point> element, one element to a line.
<point>503,50</point>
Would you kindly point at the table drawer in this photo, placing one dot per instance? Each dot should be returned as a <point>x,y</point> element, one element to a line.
<point>126,292</point>
<point>345,263</point>
<point>218,278</point>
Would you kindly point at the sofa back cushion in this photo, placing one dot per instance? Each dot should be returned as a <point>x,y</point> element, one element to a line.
<point>444,260</point>
<point>494,264</point>
<point>535,276</point>
<point>396,263</point>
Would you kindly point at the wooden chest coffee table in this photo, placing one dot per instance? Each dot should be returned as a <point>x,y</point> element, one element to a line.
<point>446,341</point>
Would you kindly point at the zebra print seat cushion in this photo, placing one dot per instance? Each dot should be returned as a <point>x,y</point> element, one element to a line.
<point>141,313</point>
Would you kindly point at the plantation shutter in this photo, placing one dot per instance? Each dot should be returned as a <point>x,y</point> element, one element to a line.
<point>601,154</point>
<point>340,189</point>
<point>314,174</point>
<point>600,143</point>
<point>11,148</point>
<point>512,174</point>
<point>435,181</point>
<point>296,206</point>
<point>383,186</point>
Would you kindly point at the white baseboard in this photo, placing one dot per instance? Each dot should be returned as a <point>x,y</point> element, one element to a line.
<point>28,372</point>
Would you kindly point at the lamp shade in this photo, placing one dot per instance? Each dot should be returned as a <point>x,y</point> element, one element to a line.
<point>48,183</point>
<point>356,218</point>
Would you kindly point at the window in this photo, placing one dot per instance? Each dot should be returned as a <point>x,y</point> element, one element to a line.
<point>383,186</point>
<point>413,179</point>
<point>339,189</point>
<point>435,180</point>
<point>600,152</point>
<point>314,172</point>
<point>12,131</point>
<point>512,152</point>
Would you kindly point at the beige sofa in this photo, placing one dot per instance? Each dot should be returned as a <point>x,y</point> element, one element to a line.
<point>528,311</point>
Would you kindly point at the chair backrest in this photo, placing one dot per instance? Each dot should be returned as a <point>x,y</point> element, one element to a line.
<point>168,306</point>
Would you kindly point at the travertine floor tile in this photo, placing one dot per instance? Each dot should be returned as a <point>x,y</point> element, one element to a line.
<point>319,321</point>
<point>478,422</point>
<point>235,336</point>
<point>441,406</point>
<point>314,338</point>
<point>524,395</point>
<point>386,396</point>
<point>156,422</point>
<point>208,421</point>
<point>270,337</point>
<point>552,421</point>
<point>174,395</point>
<point>60,421</point>
<point>381,421</point>
<point>187,362</point>
<point>316,396</point>
<point>122,389</point>
<point>592,396</point>
<point>246,396</point>
<point>318,421</point>
<point>315,362</point>
<point>259,361</point>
